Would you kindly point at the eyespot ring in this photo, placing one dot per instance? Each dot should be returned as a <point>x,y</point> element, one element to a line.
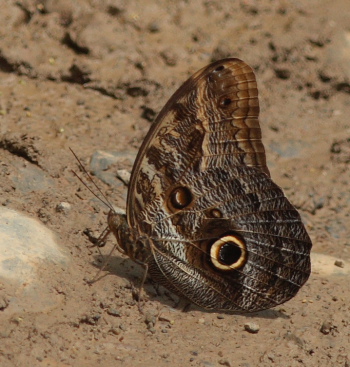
<point>228,253</point>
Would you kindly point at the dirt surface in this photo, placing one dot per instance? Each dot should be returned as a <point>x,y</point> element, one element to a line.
<point>91,75</point>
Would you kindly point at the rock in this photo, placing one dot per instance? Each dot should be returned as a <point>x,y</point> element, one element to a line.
<point>150,320</point>
<point>25,244</point>
<point>339,263</point>
<point>113,312</point>
<point>225,362</point>
<point>326,327</point>
<point>3,303</point>
<point>63,207</point>
<point>28,178</point>
<point>102,161</point>
<point>251,327</point>
<point>124,175</point>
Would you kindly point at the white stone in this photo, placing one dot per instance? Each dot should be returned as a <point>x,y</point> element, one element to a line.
<point>63,207</point>
<point>25,244</point>
<point>124,175</point>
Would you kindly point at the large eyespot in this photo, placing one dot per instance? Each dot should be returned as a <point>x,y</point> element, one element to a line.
<point>180,197</point>
<point>228,253</point>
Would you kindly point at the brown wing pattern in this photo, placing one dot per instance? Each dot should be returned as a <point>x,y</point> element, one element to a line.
<point>212,120</point>
<point>277,261</point>
<point>218,230</point>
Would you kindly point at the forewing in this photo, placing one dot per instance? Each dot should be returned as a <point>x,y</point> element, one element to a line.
<point>210,121</point>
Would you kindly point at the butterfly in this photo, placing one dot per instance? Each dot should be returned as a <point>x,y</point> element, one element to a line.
<point>203,214</point>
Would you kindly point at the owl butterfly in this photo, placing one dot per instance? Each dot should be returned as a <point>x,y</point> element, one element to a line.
<point>203,214</point>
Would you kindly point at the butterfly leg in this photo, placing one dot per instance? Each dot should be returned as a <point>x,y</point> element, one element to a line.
<point>101,241</point>
<point>97,276</point>
<point>139,294</point>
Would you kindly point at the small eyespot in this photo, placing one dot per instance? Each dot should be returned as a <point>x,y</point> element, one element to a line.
<point>180,197</point>
<point>214,213</point>
<point>228,253</point>
<point>219,68</point>
<point>225,102</point>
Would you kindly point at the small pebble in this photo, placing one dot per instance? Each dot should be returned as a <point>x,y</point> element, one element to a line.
<point>150,320</point>
<point>169,57</point>
<point>326,327</point>
<point>251,327</point>
<point>4,302</point>
<point>225,362</point>
<point>63,207</point>
<point>124,175</point>
<point>153,27</point>
<point>339,263</point>
<point>113,312</point>
<point>115,331</point>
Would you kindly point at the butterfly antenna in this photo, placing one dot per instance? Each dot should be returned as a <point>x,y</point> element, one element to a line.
<point>104,200</point>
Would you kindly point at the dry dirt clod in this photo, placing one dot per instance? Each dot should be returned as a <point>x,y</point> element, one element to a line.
<point>225,362</point>
<point>150,320</point>
<point>113,312</point>
<point>326,327</point>
<point>339,263</point>
<point>4,302</point>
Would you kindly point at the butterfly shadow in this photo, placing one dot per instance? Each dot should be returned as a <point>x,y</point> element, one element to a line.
<point>265,314</point>
<point>125,268</point>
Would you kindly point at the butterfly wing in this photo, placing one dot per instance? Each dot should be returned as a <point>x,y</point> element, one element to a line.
<point>210,121</point>
<point>220,231</point>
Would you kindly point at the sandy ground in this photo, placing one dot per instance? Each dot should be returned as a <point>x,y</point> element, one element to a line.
<point>91,75</point>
